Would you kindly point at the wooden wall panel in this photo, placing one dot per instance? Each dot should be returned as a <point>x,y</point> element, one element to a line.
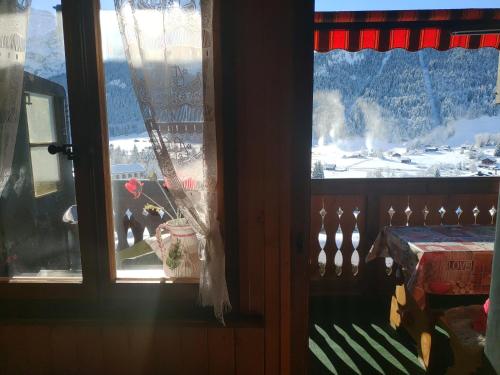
<point>220,351</point>
<point>89,349</point>
<point>167,350</point>
<point>249,351</point>
<point>139,348</point>
<point>64,357</point>
<point>194,351</point>
<point>116,350</point>
<point>141,339</point>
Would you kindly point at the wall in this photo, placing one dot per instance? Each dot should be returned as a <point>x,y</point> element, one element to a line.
<point>266,117</point>
<point>118,348</point>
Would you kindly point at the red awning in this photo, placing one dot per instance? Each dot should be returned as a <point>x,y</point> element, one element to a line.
<point>410,30</point>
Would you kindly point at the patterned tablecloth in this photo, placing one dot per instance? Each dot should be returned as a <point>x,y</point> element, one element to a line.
<point>451,260</point>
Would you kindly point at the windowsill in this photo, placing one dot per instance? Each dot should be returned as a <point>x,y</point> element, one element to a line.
<point>151,275</point>
<point>45,277</point>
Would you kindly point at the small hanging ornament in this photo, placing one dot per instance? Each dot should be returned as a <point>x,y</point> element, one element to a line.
<point>475,212</point>
<point>425,212</point>
<point>442,212</point>
<point>391,213</point>
<point>459,213</point>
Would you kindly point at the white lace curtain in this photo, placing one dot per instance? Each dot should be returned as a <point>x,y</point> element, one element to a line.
<point>13,26</point>
<point>168,46</point>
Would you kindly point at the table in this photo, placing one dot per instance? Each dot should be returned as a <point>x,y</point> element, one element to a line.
<point>444,259</point>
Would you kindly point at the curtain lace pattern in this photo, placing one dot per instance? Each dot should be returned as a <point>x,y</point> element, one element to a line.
<point>13,29</point>
<point>168,46</point>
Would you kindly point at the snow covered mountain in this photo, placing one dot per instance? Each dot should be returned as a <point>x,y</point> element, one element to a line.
<point>400,94</point>
<point>395,95</point>
<point>44,46</point>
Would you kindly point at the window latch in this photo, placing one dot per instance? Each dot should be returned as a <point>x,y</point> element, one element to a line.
<point>66,149</point>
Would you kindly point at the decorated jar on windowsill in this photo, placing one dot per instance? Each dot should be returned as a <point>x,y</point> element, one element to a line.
<point>179,250</point>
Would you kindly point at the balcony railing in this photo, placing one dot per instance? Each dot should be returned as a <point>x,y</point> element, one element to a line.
<point>347,215</point>
<point>130,218</point>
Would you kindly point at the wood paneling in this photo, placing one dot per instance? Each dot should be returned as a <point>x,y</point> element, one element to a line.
<point>136,348</point>
<point>249,351</point>
<point>221,362</point>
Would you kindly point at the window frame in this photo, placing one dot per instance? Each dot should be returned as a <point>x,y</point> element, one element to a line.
<point>99,290</point>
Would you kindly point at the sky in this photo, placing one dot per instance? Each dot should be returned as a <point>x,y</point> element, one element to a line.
<point>332,5</point>
<point>48,4</point>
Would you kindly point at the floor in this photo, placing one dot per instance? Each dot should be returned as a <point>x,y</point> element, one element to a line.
<point>352,336</point>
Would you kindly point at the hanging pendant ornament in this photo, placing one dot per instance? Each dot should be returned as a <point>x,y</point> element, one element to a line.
<point>355,239</point>
<point>459,213</point>
<point>339,239</point>
<point>391,213</point>
<point>425,212</point>
<point>442,212</point>
<point>322,237</point>
<point>475,212</point>
<point>408,213</point>
<point>492,212</point>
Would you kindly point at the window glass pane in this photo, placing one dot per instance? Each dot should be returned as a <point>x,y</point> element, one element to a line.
<point>406,114</point>
<point>141,197</point>
<point>40,117</point>
<point>38,216</point>
<point>45,168</point>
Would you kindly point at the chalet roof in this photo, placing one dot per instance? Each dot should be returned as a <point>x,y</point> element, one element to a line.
<point>127,168</point>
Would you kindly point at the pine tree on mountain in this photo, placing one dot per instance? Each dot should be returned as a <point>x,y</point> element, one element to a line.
<point>497,150</point>
<point>318,171</point>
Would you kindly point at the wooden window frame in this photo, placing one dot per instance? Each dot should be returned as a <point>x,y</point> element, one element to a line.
<point>99,292</point>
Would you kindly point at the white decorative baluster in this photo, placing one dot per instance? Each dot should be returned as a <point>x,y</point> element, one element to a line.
<point>355,238</point>
<point>492,212</point>
<point>130,237</point>
<point>389,260</point>
<point>391,213</point>
<point>459,213</point>
<point>442,212</point>
<point>146,234</point>
<point>475,212</point>
<point>322,237</point>
<point>339,239</point>
<point>425,212</point>
<point>408,213</point>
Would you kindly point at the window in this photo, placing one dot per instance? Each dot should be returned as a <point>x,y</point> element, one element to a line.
<point>38,218</point>
<point>40,244</point>
<point>142,204</point>
<point>42,132</point>
<point>386,106</point>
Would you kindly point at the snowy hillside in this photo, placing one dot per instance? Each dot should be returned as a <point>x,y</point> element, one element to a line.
<point>399,93</point>
<point>396,114</point>
<point>45,46</point>
<point>455,150</point>
<point>45,58</point>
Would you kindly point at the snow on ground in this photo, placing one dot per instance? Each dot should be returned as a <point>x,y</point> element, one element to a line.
<point>127,142</point>
<point>456,153</point>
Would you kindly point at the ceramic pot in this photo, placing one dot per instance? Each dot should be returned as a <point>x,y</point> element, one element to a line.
<point>183,237</point>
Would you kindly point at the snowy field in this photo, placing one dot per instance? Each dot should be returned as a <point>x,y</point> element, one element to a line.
<point>448,151</point>
<point>127,142</point>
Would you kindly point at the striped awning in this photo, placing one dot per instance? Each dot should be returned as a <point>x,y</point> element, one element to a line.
<point>410,30</point>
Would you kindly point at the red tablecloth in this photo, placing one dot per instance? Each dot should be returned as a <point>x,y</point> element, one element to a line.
<point>451,260</point>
